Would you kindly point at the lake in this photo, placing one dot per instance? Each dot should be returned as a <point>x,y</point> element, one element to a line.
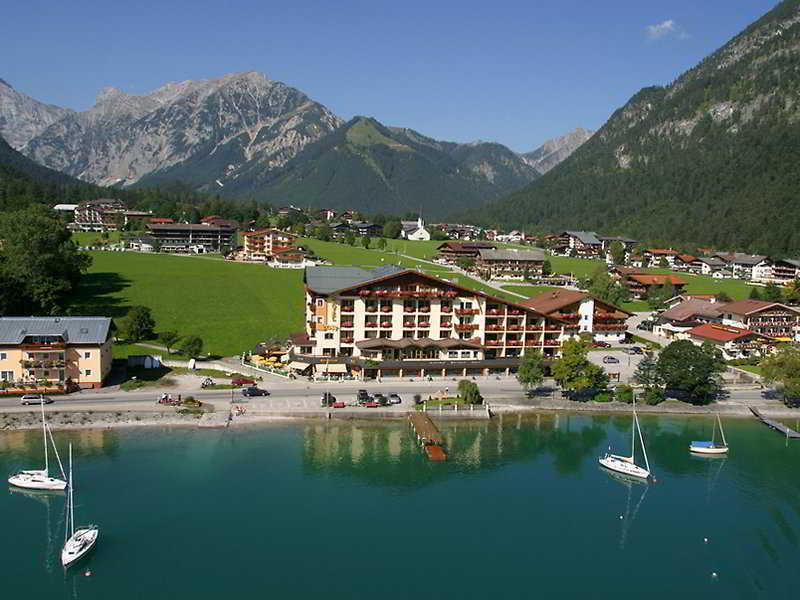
<point>353,510</point>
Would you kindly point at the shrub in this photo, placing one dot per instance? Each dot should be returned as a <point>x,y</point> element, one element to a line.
<point>603,397</point>
<point>624,394</point>
<point>653,396</point>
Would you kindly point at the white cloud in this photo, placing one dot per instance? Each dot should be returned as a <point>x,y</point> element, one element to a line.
<point>668,28</point>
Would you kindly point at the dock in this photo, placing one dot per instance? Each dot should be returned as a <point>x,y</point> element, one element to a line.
<point>776,425</point>
<point>428,435</point>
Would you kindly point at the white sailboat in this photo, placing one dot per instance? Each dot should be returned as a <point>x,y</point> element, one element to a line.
<point>77,542</point>
<point>39,479</point>
<point>626,464</point>
<point>711,447</point>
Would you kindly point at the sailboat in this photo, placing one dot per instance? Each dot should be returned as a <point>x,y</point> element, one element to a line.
<point>626,464</point>
<point>40,479</point>
<point>77,542</point>
<point>711,447</point>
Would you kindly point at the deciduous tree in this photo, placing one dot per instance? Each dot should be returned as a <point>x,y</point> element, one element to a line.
<point>168,338</point>
<point>691,369</point>
<point>138,324</point>
<point>575,372</point>
<point>531,369</point>
<point>191,346</point>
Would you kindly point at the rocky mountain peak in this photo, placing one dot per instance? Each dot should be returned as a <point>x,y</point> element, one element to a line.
<point>22,117</point>
<point>556,150</point>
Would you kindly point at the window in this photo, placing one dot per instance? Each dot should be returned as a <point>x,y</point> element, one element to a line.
<point>452,354</point>
<point>320,302</point>
<point>87,372</point>
<point>6,375</point>
<point>87,355</point>
<point>466,354</point>
<point>319,320</point>
<point>328,336</point>
<point>3,356</point>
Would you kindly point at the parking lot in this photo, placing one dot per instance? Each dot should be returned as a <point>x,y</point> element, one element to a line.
<point>625,367</point>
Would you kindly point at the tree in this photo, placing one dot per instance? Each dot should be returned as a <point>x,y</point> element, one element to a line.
<point>40,266</point>
<point>469,391</point>
<point>191,346</point>
<point>783,367</point>
<point>617,251</point>
<point>350,238</point>
<point>772,293</point>
<point>531,369</point>
<point>646,373</point>
<point>601,286</point>
<point>168,338</point>
<point>392,229</point>
<point>723,297</point>
<point>465,262</point>
<point>381,244</point>
<point>547,268</point>
<point>754,293</point>
<point>323,232</point>
<point>662,263</point>
<point>138,324</point>
<point>575,372</point>
<point>438,234</point>
<point>690,369</point>
<point>365,241</point>
<point>791,294</point>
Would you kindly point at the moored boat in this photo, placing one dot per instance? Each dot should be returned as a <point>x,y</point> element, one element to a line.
<point>40,479</point>
<point>77,542</point>
<point>711,447</point>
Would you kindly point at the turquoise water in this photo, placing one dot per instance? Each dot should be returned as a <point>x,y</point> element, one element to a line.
<point>353,510</point>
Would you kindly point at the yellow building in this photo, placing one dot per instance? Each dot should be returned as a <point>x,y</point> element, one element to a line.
<point>56,350</point>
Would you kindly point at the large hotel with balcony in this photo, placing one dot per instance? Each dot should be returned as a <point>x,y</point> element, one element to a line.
<point>391,321</point>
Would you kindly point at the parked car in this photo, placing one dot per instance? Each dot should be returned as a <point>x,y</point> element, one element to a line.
<point>327,399</point>
<point>243,381</point>
<point>371,404</point>
<point>207,382</point>
<point>395,399</point>
<point>597,344</point>
<point>254,391</point>
<point>28,399</point>
<point>380,399</point>
<point>610,360</point>
<point>636,350</point>
<point>338,405</point>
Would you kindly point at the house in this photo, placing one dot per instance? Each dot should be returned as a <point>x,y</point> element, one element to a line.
<point>142,243</point>
<point>784,270</point>
<point>639,285</point>
<point>583,313</point>
<point>676,300</point>
<point>733,342</point>
<point>162,220</point>
<point>187,238</point>
<point>292,258</point>
<point>414,230</point>
<point>708,265</point>
<point>744,266</point>
<point>55,351</point>
<point>653,256</point>
<point>513,237</point>
<point>391,321</point>
<point>686,262</point>
<point>450,252</point>
<point>771,319</point>
<point>509,263</point>
<point>263,244</point>
<point>607,240</point>
<point>581,243</point>
<point>365,229</point>
<point>219,221</point>
<point>327,213</point>
<point>67,210</point>
<point>680,318</point>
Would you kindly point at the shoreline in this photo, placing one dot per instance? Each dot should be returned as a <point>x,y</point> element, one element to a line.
<point>78,419</point>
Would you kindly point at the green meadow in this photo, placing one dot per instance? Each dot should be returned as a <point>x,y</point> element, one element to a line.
<point>232,306</point>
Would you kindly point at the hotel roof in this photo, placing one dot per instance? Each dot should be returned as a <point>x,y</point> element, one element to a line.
<point>746,307</point>
<point>721,333</point>
<point>325,280</point>
<point>534,254</point>
<point>586,237</point>
<point>73,330</point>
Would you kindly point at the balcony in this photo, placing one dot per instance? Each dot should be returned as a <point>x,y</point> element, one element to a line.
<point>514,343</point>
<point>495,311</point>
<point>44,347</point>
<point>43,364</point>
<point>409,309</point>
<point>424,324</point>
<point>445,324</point>
<point>515,311</point>
<point>467,311</point>
<point>424,309</point>
<point>347,340</point>
<point>371,324</point>
<point>446,309</point>
<point>372,309</point>
<point>348,308</point>
<point>514,327</point>
<point>347,324</point>
<point>386,324</point>
<point>386,309</point>
<point>466,326</point>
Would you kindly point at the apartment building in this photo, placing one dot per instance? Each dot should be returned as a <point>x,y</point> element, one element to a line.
<point>771,319</point>
<point>55,350</point>
<point>391,321</point>
<point>186,238</point>
<point>103,214</point>
<point>450,252</point>
<point>580,243</point>
<point>583,314</point>
<point>509,263</point>
<point>264,244</point>
<point>733,342</point>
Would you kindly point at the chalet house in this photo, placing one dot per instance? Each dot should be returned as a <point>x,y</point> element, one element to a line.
<point>676,300</point>
<point>581,243</point>
<point>328,214</point>
<point>414,230</point>
<point>390,321</point>
<point>745,266</point>
<point>161,220</point>
<point>291,258</point>
<point>734,342</point>
<point>784,270</point>
<point>686,262</point>
<point>514,237</point>
<point>187,238</point>
<point>607,240</point>
<point>771,319</point>
<point>362,228</point>
<point>339,230</point>
<point>450,252</point>
<point>262,245</point>
<point>583,313</point>
<point>680,318</point>
<point>509,263</point>
<point>639,285</point>
<point>459,232</point>
<point>653,256</point>
<point>55,350</point>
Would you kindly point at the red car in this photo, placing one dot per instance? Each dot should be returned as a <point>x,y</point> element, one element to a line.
<point>371,404</point>
<point>242,381</point>
<point>338,405</point>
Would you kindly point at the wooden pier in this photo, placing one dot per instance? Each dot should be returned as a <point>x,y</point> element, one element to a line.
<point>776,425</point>
<point>428,435</point>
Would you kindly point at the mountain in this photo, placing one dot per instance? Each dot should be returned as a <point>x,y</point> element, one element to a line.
<point>204,133</point>
<point>23,118</point>
<point>711,159</point>
<point>555,151</point>
<point>12,161</point>
<point>367,166</point>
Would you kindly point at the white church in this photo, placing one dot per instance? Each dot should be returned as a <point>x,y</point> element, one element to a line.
<point>415,231</point>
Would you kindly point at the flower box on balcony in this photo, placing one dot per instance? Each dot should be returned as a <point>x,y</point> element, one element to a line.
<point>364,293</point>
<point>372,309</point>
<point>347,309</point>
<point>386,323</point>
<point>347,323</point>
<point>515,311</point>
<point>450,294</point>
<point>409,324</point>
<point>409,309</point>
<point>445,324</point>
<point>446,309</point>
<point>494,311</point>
<point>371,324</point>
<point>424,309</point>
<point>424,325</point>
<point>386,309</point>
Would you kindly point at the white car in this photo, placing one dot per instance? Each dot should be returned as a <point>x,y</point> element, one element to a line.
<point>29,399</point>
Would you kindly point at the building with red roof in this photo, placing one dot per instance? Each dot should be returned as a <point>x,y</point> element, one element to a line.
<point>772,319</point>
<point>734,342</point>
<point>640,284</point>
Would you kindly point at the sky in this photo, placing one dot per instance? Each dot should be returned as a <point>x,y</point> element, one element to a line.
<point>517,73</point>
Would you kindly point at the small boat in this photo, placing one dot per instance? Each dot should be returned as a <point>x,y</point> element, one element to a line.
<point>77,542</point>
<point>627,464</point>
<point>39,479</point>
<point>711,447</point>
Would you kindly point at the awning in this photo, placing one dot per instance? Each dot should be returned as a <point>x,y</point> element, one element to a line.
<point>300,366</point>
<point>330,368</point>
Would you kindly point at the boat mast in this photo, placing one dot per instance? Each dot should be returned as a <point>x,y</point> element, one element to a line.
<point>71,498</point>
<point>722,431</point>
<point>644,450</point>
<point>55,450</point>
<point>633,431</point>
<point>44,437</point>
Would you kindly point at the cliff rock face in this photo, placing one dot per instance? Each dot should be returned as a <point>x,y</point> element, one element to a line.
<point>711,160</point>
<point>206,133</point>
<point>555,151</point>
<point>23,118</point>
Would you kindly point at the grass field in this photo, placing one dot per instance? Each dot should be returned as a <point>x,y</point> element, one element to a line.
<point>342,254</point>
<point>529,290</point>
<point>579,267</point>
<point>232,306</point>
<point>704,284</point>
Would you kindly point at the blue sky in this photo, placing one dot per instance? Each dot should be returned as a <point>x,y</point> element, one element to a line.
<point>513,72</point>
